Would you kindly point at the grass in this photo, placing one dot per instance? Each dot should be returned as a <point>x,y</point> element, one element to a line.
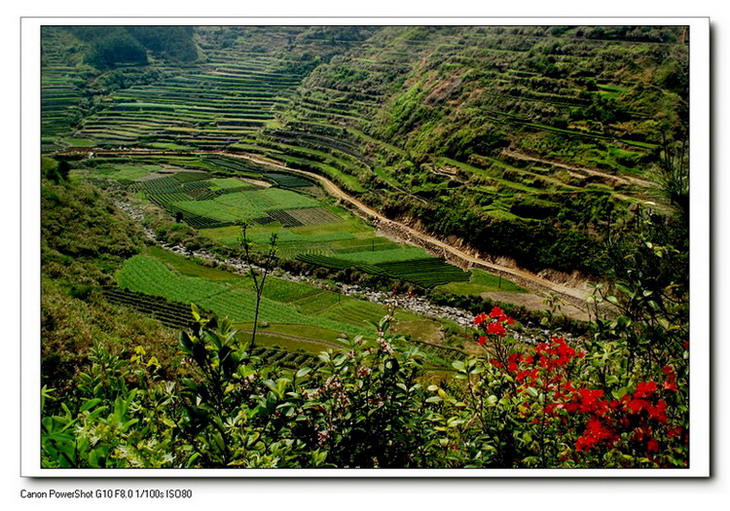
<point>310,336</point>
<point>225,183</point>
<point>118,171</point>
<point>317,303</point>
<point>276,289</point>
<point>482,282</point>
<point>80,142</point>
<point>246,205</point>
<point>426,330</point>
<point>403,253</point>
<point>425,272</point>
<point>313,332</point>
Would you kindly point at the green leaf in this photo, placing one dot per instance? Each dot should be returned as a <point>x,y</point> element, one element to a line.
<point>89,404</point>
<point>303,372</point>
<point>458,365</point>
<point>619,393</point>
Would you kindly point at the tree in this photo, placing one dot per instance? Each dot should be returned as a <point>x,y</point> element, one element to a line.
<point>258,272</point>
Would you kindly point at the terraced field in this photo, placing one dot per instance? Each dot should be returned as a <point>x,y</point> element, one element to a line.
<point>61,93</point>
<point>258,94</point>
<point>533,132</point>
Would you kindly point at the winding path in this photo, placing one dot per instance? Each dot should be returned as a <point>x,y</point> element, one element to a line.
<point>538,283</point>
<point>622,179</point>
<point>575,296</point>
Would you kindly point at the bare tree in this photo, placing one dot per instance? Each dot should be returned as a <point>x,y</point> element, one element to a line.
<point>258,270</point>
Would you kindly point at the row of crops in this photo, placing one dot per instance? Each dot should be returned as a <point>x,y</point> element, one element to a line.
<point>169,313</point>
<point>283,357</point>
<point>206,202</point>
<point>61,93</point>
<point>177,315</point>
<point>327,123</point>
<point>428,272</point>
<point>230,94</point>
<point>236,299</point>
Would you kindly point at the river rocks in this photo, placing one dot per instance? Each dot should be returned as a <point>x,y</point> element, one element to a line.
<point>416,304</point>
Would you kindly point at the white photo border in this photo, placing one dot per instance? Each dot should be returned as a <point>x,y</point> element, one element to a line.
<point>699,466</point>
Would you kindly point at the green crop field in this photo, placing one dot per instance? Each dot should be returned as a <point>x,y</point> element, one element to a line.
<point>306,228</point>
<point>235,299</point>
<point>482,282</point>
<point>425,272</point>
<point>404,253</point>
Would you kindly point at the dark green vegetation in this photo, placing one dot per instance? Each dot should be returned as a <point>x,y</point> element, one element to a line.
<point>542,145</point>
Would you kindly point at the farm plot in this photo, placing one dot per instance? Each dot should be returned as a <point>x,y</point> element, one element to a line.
<point>283,217</point>
<point>313,216</point>
<point>397,264</point>
<point>170,314</point>
<point>288,180</point>
<point>392,255</point>
<point>311,323</point>
<point>425,272</point>
<point>246,205</point>
<point>292,359</point>
<point>144,274</point>
<point>482,282</point>
<point>210,105</point>
<point>340,264</point>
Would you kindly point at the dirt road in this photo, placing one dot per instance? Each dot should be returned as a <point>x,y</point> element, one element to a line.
<point>576,296</point>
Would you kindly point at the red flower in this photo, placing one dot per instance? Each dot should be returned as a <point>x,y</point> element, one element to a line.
<point>498,313</point>
<point>637,405</point>
<point>496,329</point>
<point>496,363</point>
<point>659,412</point>
<point>652,445</point>
<point>522,375</point>
<point>591,401</point>
<point>595,432</point>
<point>512,361</point>
<point>645,389</point>
<point>551,408</point>
<point>670,385</point>
<point>481,318</point>
<point>482,340</point>
<point>674,431</point>
<point>671,381</point>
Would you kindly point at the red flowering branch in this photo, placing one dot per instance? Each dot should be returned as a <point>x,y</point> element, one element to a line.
<point>589,422</point>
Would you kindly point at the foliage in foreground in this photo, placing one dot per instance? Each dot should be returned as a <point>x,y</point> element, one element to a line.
<point>551,404</point>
